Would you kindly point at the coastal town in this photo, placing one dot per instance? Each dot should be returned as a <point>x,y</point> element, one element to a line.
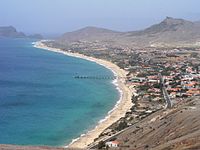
<point>160,78</point>
<point>166,79</point>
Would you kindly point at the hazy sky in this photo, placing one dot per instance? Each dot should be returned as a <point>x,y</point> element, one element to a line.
<point>58,16</point>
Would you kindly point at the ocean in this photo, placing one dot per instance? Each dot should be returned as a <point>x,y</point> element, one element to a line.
<point>41,103</point>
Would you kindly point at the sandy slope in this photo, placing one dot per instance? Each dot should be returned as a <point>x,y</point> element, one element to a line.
<point>172,129</point>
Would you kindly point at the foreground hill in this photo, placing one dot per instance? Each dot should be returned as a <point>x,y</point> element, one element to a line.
<point>170,31</point>
<point>175,129</point>
<point>11,32</point>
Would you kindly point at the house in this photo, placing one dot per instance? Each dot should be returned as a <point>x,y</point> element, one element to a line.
<point>137,79</point>
<point>112,144</point>
<point>173,94</point>
<point>189,85</point>
<point>194,91</point>
<point>153,81</point>
<point>187,77</point>
<point>168,77</point>
<point>156,90</point>
<point>174,89</point>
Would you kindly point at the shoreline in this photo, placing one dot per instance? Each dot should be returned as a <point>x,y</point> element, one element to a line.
<point>122,106</point>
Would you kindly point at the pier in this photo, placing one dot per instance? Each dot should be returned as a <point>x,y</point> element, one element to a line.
<point>97,77</point>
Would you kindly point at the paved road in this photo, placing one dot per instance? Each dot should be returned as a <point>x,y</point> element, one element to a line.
<point>165,93</point>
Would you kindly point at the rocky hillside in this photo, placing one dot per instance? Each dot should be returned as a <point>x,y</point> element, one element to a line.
<point>170,31</point>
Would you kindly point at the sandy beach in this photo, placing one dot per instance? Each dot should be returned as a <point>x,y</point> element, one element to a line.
<point>122,106</point>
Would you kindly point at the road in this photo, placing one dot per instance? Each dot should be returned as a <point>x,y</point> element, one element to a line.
<point>165,93</point>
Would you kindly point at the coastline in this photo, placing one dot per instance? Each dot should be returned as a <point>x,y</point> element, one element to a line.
<point>123,105</point>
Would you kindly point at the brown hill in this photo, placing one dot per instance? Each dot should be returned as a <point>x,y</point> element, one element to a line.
<point>88,34</point>
<point>171,31</point>
<point>175,129</point>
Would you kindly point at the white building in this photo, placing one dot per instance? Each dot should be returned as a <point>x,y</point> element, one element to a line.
<point>112,144</point>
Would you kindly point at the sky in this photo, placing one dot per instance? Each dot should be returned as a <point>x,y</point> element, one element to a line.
<point>60,16</point>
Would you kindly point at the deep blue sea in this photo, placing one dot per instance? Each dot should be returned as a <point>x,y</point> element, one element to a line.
<point>41,103</point>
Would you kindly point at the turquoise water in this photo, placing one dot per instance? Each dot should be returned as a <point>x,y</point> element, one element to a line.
<point>40,101</point>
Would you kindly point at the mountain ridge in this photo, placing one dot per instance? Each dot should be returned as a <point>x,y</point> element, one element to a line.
<point>170,31</point>
<point>168,24</point>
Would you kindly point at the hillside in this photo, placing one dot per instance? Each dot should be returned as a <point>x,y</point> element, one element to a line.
<point>178,128</point>
<point>171,31</point>
<point>11,32</point>
<point>88,34</point>
<point>35,36</point>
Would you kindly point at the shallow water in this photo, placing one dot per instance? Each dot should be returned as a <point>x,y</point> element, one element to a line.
<point>41,103</point>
